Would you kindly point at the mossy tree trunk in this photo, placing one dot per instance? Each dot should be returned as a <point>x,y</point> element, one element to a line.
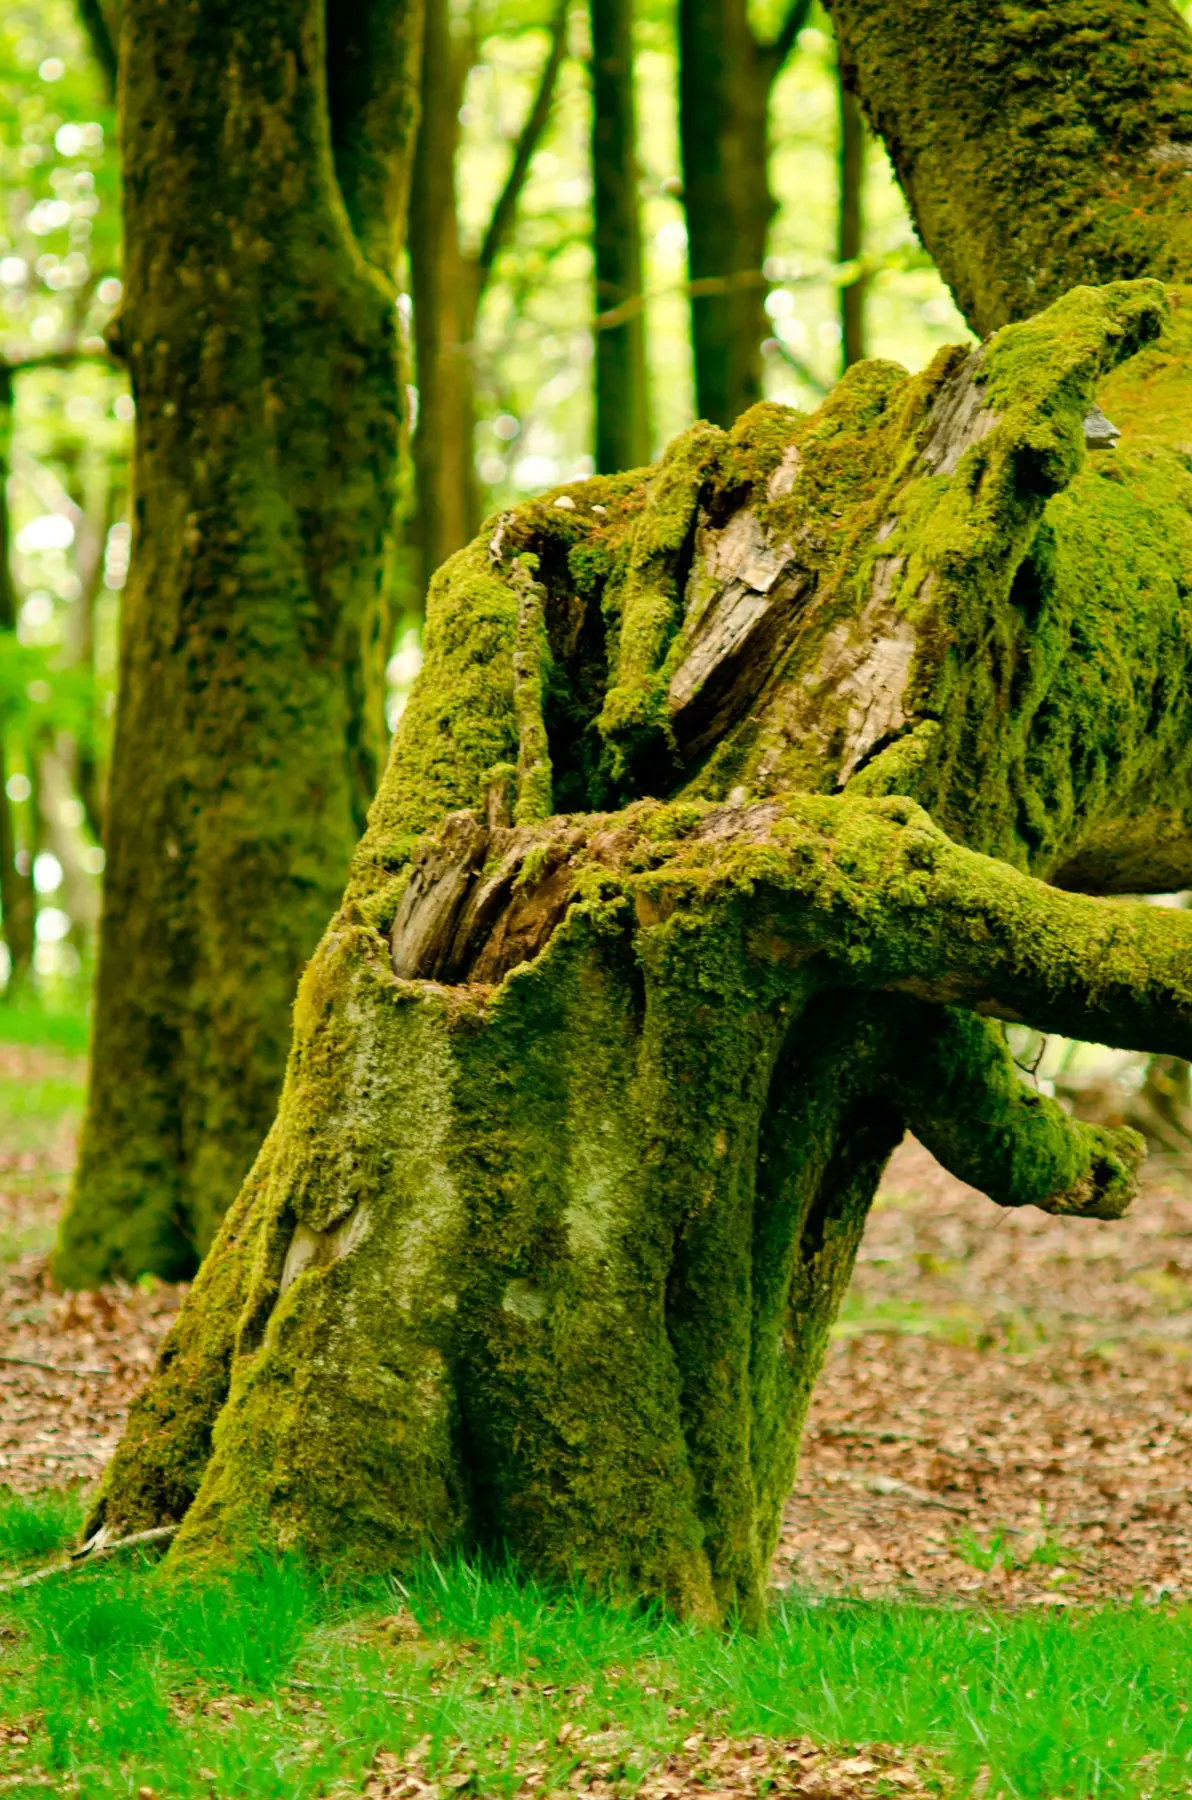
<point>738,802</point>
<point>1038,146</point>
<point>264,205</point>
<point>622,438</point>
<point>726,76</point>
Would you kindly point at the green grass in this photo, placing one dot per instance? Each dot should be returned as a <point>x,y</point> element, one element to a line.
<point>134,1679</point>
<point>35,1526</point>
<point>998,1551</point>
<point>29,1019</point>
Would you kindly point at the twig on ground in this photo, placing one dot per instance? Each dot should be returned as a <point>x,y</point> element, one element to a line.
<point>81,1559</point>
<point>31,1362</point>
<point>339,1687</point>
<point>886,1484</point>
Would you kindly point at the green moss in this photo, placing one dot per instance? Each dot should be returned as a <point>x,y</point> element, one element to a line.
<point>263,350</point>
<point>552,1265</point>
<point>649,599</point>
<point>1039,147</point>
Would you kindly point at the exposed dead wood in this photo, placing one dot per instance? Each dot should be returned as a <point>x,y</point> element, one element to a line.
<point>483,910</point>
<point>959,418</point>
<point>319,1249</point>
<point>439,884</point>
<point>745,596</point>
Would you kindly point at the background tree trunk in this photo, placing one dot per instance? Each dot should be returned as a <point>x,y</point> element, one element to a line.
<point>17,899</point>
<point>444,310</point>
<point>622,401</point>
<point>586,1108</point>
<point>725,80</point>
<point>102,25</point>
<point>449,287</point>
<point>260,207</point>
<point>850,241</point>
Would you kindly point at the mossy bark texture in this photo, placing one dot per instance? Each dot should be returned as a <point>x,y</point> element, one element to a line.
<point>1039,146</point>
<point>265,158</point>
<point>736,805</point>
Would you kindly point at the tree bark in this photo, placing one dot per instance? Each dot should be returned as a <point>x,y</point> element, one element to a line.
<point>850,241</point>
<point>444,311</point>
<point>1038,147</point>
<point>449,287</point>
<point>261,207</point>
<point>102,27</point>
<point>734,808</point>
<point>621,391</point>
<point>725,80</point>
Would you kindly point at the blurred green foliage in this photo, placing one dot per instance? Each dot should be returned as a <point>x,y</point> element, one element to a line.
<point>69,431</point>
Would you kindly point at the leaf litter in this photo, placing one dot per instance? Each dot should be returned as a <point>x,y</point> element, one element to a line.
<point>1005,1416</point>
<point>1005,1412</point>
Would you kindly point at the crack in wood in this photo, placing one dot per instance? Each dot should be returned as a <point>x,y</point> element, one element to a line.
<point>745,596</point>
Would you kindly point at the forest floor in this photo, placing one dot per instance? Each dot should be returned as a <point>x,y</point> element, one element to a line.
<point>1006,1409</point>
<point>978,1585</point>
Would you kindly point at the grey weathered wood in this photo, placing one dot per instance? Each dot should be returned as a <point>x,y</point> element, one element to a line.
<point>959,418</point>
<point>439,884</point>
<point>745,595</point>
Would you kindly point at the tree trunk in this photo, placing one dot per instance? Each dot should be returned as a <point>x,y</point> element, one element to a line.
<point>725,80</point>
<point>448,287</point>
<point>850,242</point>
<point>733,809</point>
<point>1038,147</point>
<point>261,206</point>
<point>444,311</point>
<point>17,900</point>
<point>622,403</point>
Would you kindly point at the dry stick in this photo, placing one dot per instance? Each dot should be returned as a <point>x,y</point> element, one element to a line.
<point>339,1687</point>
<point>31,1362</point>
<point>83,1559</point>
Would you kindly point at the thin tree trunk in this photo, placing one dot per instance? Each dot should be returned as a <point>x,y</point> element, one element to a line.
<point>16,889</point>
<point>724,92</point>
<point>448,288</point>
<point>725,80</point>
<point>102,26</point>
<point>586,1109</point>
<point>850,242</point>
<point>97,502</point>
<point>17,900</point>
<point>261,207</point>
<point>443,313</point>
<point>622,403</point>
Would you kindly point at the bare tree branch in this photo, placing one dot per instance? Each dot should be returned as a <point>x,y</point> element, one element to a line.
<point>780,48</point>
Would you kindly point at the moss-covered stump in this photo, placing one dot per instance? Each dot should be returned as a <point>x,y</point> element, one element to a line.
<point>735,807</point>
